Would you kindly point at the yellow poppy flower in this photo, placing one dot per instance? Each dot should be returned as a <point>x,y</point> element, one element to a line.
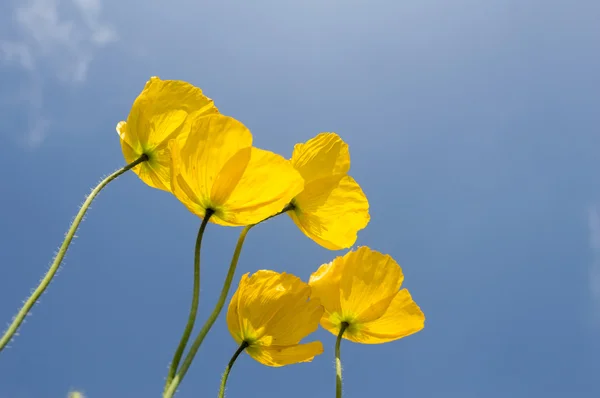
<point>360,289</point>
<point>217,169</point>
<point>332,208</point>
<point>160,113</point>
<point>271,313</point>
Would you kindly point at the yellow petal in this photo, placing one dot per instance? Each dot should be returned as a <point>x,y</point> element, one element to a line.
<point>212,146</point>
<point>331,211</point>
<point>298,318</point>
<point>233,316</point>
<point>322,156</point>
<point>266,186</point>
<point>259,300</point>
<point>179,185</point>
<point>213,141</point>
<point>129,143</point>
<point>265,293</point>
<point>325,285</point>
<point>130,153</point>
<point>272,312</point>
<point>160,111</point>
<point>368,284</point>
<point>402,318</point>
<point>361,288</point>
<point>286,355</point>
<point>229,176</point>
<point>155,173</point>
<point>159,169</point>
<point>331,323</point>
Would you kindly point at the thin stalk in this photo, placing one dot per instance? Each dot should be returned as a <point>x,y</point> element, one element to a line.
<point>18,319</point>
<point>240,349</point>
<point>195,301</point>
<point>170,391</point>
<point>338,362</point>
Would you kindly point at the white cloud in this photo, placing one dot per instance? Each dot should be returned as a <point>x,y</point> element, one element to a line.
<point>65,44</point>
<point>90,12</point>
<point>58,37</point>
<point>17,52</point>
<point>37,132</point>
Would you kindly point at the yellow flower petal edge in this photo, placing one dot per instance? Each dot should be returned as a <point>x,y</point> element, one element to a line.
<point>331,211</point>
<point>217,168</point>
<point>272,313</point>
<point>277,356</point>
<point>159,114</point>
<point>323,156</point>
<point>332,208</point>
<point>361,289</point>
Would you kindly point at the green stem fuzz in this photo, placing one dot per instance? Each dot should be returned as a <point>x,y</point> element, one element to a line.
<point>172,388</point>
<point>240,349</point>
<point>338,362</point>
<point>18,319</point>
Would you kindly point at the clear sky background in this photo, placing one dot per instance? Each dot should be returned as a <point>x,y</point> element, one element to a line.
<point>473,129</point>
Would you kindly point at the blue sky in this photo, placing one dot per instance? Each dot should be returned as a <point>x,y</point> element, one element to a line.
<point>473,129</point>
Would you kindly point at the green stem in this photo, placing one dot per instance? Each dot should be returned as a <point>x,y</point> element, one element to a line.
<point>338,362</point>
<point>18,319</point>
<point>211,319</point>
<point>288,207</point>
<point>240,349</point>
<point>195,300</point>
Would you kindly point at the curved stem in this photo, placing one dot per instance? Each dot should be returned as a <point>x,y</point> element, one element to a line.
<point>195,300</point>
<point>18,319</point>
<point>338,362</point>
<point>288,207</point>
<point>240,349</point>
<point>211,319</point>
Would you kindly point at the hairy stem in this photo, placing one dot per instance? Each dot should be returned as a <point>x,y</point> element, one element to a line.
<point>170,391</point>
<point>338,362</point>
<point>18,319</point>
<point>240,349</point>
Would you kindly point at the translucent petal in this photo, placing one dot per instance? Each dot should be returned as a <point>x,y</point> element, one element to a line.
<point>286,355</point>
<point>402,318</point>
<point>273,310</point>
<point>267,185</point>
<point>179,185</point>
<point>160,111</point>
<point>233,316</point>
<point>129,153</point>
<point>159,169</point>
<point>265,294</point>
<point>361,288</point>
<point>213,146</point>
<point>213,141</point>
<point>132,148</point>
<point>229,176</point>
<point>368,284</point>
<point>327,323</point>
<point>155,172</point>
<point>325,285</point>
<point>331,211</point>
<point>322,156</point>
<point>294,321</point>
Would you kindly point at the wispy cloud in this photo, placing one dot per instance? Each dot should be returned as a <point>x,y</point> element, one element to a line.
<point>58,37</point>
<point>594,270</point>
<point>17,52</point>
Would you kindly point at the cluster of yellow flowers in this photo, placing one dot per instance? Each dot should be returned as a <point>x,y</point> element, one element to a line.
<point>176,140</point>
<point>208,162</point>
